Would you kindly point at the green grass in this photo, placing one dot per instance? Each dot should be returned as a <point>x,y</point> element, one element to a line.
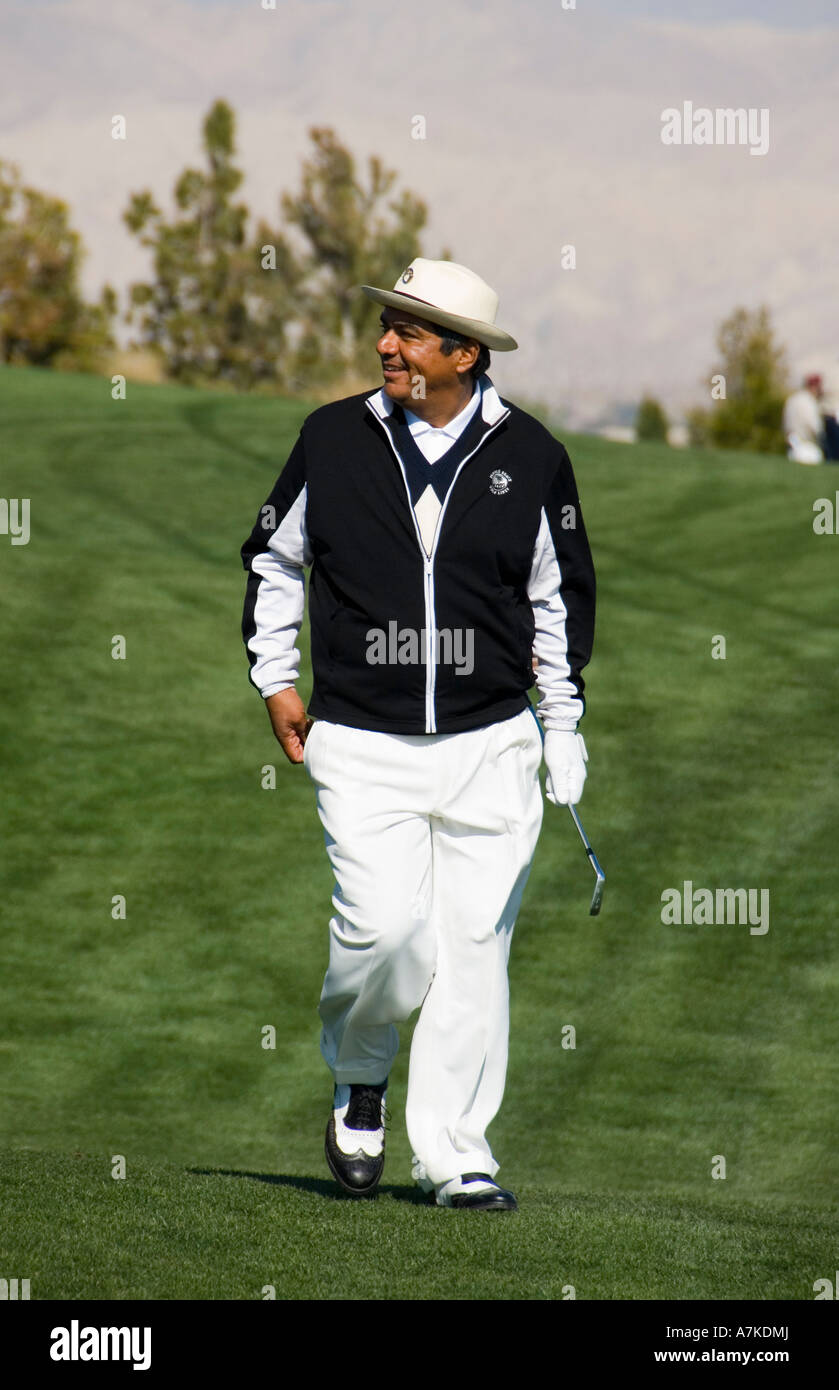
<point>141,777</point>
<point>165,1232</point>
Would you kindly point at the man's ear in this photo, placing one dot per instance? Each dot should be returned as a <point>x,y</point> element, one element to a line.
<point>473,350</point>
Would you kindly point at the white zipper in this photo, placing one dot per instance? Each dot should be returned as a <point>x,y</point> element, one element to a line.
<point>430,639</point>
<point>428,563</point>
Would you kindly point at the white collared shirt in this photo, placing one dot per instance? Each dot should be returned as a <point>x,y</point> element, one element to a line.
<point>802,416</point>
<point>432,442</point>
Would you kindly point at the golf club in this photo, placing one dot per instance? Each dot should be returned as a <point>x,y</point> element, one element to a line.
<point>597,895</point>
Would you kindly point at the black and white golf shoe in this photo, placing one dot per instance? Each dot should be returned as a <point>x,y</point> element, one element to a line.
<point>355,1138</point>
<point>474,1192</point>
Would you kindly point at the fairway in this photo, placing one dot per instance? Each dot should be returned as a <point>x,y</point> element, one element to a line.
<point>144,779</point>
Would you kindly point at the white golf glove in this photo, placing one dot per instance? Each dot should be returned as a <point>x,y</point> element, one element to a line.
<point>565,758</point>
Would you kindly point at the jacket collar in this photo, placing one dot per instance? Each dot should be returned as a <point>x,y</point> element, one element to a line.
<point>491,407</point>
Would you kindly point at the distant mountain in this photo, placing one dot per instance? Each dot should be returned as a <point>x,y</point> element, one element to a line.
<point>543,132</point>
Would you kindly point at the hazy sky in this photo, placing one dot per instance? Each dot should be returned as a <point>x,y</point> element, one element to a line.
<point>780,13</point>
<point>783,14</point>
<point>543,131</point>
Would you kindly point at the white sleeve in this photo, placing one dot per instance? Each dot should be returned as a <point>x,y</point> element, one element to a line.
<point>275,601</point>
<point>560,706</point>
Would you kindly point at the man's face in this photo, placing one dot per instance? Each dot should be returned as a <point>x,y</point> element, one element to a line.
<point>410,349</point>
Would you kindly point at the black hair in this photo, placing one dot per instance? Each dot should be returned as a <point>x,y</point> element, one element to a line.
<point>450,340</point>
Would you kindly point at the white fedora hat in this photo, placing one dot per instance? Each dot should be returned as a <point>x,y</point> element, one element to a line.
<point>455,296</point>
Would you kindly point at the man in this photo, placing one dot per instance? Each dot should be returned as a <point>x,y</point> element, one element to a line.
<point>803,424</point>
<point>829,406</point>
<point>448,559</point>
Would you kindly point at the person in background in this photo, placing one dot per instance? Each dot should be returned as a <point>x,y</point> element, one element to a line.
<point>803,423</point>
<point>830,415</point>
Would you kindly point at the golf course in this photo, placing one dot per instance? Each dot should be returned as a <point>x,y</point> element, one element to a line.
<point>670,1120</point>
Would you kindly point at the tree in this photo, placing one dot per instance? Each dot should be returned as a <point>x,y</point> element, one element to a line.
<point>225,308</point>
<point>214,311</point>
<point>43,317</point>
<point>753,377</point>
<point>651,422</point>
<point>350,242</point>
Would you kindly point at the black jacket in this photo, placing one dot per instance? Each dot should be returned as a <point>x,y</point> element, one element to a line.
<point>406,642</point>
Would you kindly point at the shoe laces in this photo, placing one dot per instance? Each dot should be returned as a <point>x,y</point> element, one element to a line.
<point>366,1109</point>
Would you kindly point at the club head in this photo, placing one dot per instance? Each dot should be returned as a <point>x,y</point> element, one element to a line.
<point>597,895</point>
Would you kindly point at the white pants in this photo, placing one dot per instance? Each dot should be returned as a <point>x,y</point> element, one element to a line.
<point>431,838</point>
<point>803,450</point>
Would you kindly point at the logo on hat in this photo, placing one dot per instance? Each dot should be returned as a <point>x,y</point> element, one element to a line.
<point>499,482</point>
<point>408,275</point>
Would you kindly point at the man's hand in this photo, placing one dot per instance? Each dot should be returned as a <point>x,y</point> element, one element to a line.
<point>289,722</point>
<point>565,758</point>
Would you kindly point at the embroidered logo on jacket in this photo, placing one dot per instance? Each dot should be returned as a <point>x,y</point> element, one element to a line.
<point>499,482</point>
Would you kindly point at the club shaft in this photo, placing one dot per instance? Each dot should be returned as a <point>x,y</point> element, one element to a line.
<point>601,877</point>
<point>583,836</point>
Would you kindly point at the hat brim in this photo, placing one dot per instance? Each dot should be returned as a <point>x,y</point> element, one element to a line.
<point>485,333</point>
